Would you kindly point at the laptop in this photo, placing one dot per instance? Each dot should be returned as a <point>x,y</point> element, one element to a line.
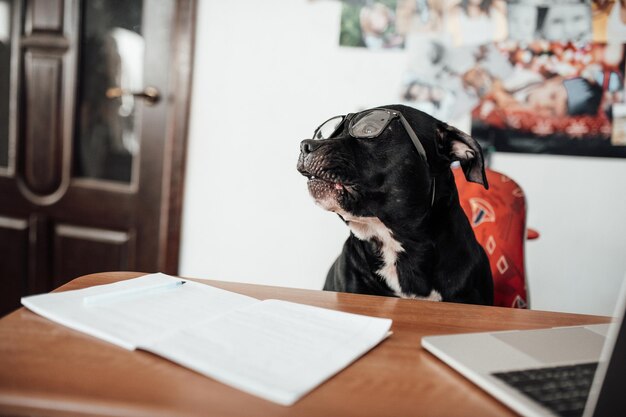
<point>562,371</point>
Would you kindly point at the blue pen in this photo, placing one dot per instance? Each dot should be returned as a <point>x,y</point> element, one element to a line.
<point>131,292</point>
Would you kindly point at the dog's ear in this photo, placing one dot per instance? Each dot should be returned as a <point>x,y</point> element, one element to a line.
<point>459,146</point>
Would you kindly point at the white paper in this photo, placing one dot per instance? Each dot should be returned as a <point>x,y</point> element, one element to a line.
<point>274,349</point>
<point>141,318</point>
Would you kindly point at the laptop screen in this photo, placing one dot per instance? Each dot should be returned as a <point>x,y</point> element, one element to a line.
<point>606,397</point>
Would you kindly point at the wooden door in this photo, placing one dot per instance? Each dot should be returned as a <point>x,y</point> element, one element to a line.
<point>94,99</point>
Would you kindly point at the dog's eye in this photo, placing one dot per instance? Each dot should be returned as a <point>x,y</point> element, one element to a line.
<point>366,130</point>
<point>369,129</point>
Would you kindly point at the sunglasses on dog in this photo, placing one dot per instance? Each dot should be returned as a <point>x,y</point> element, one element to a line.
<point>368,124</point>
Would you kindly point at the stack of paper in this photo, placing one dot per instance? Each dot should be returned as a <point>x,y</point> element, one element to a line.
<point>274,349</point>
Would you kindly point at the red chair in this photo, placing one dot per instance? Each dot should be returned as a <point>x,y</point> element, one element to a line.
<point>498,218</point>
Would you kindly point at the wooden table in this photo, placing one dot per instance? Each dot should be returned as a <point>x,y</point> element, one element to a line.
<point>47,369</point>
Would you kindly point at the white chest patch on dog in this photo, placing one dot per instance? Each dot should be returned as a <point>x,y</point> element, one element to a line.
<point>366,228</point>
<point>433,296</point>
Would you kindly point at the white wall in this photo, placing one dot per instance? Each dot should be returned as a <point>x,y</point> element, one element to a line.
<point>578,206</point>
<point>266,74</point>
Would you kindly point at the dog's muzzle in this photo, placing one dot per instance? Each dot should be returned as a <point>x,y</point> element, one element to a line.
<point>326,187</point>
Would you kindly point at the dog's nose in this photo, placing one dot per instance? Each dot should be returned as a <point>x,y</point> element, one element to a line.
<point>308,145</point>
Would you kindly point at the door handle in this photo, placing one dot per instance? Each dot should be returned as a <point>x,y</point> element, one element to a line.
<point>150,94</point>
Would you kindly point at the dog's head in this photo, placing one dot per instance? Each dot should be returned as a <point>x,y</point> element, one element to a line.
<point>385,163</point>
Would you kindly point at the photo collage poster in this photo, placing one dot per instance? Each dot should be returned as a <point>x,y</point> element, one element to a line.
<point>537,76</point>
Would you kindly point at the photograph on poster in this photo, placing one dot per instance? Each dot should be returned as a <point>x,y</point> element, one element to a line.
<point>548,97</point>
<point>557,98</point>
<point>440,78</point>
<point>522,20</point>
<point>609,20</point>
<point>531,78</point>
<point>616,24</point>
<point>374,24</point>
<point>564,20</point>
<point>428,85</point>
<point>425,16</point>
<point>618,137</point>
<point>475,22</point>
<point>556,20</point>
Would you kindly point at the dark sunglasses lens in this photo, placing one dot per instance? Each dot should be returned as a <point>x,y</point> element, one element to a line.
<point>327,129</point>
<point>370,124</point>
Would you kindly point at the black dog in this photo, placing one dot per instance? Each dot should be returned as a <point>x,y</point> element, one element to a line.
<point>386,173</point>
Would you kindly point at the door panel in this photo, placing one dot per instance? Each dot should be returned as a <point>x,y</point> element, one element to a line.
<point>44,15</point>
<point>42,158</point>
<point>5,81</point>
<point>45,83</point>
<point>14,256</point>
<point>38,274</point>
<point>82,250</point>
<point>97,184</point>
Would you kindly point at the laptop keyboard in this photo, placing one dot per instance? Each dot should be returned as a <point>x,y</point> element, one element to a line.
<point>562,389</point>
